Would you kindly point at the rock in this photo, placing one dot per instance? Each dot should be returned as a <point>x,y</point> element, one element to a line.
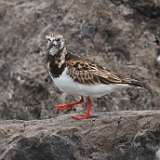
<point>150,9</point>
<point>41,147</point>
<point>88,30</point>
<point>125,135</point>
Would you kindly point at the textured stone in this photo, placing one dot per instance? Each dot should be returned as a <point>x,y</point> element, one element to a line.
<point>130,135</point>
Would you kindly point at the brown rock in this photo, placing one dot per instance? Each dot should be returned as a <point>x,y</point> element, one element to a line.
<point>127,135</point>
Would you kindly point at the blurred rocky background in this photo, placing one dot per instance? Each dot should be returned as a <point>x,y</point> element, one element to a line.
<point>121,35</point>
<point>118,34</point>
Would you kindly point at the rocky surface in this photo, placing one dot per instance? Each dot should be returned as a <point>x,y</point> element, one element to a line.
<point>112,136</point>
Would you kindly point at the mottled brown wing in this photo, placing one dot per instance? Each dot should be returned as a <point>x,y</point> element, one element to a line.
<point>108,77</point>
<point>88,72</point>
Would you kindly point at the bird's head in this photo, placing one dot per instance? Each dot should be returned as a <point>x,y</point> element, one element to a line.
<point>56,43</point>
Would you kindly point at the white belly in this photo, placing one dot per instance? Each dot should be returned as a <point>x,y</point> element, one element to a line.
<point>67,85</point>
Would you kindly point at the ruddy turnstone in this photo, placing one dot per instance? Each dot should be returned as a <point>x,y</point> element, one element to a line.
<point>79,76</point>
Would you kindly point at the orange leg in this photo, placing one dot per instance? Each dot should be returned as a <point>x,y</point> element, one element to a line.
<point>70,105</point>
<point>87,114</point>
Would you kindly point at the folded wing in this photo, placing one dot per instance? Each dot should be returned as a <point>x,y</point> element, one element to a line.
<point>88,72</point>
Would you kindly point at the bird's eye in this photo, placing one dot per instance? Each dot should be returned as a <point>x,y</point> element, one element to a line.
<point>49,39</point>
<point>58,39</point>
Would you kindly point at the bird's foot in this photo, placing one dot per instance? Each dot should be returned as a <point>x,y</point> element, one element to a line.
<point>68,106</point>
<point>82,117</point>
<point>86,115</point>
<point>64,106</point>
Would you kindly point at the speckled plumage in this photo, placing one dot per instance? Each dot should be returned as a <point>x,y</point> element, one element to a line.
<point>79,76</point>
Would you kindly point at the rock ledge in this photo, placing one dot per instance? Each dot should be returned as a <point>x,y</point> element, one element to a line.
<point>113,135</point>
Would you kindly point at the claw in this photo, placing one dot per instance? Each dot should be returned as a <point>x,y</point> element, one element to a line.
<point>88,114</point>
<point>82,117</point>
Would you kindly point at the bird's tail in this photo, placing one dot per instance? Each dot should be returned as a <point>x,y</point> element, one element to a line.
<point>133,82</point>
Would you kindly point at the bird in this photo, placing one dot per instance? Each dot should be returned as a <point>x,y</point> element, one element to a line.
<point>76,75</point>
